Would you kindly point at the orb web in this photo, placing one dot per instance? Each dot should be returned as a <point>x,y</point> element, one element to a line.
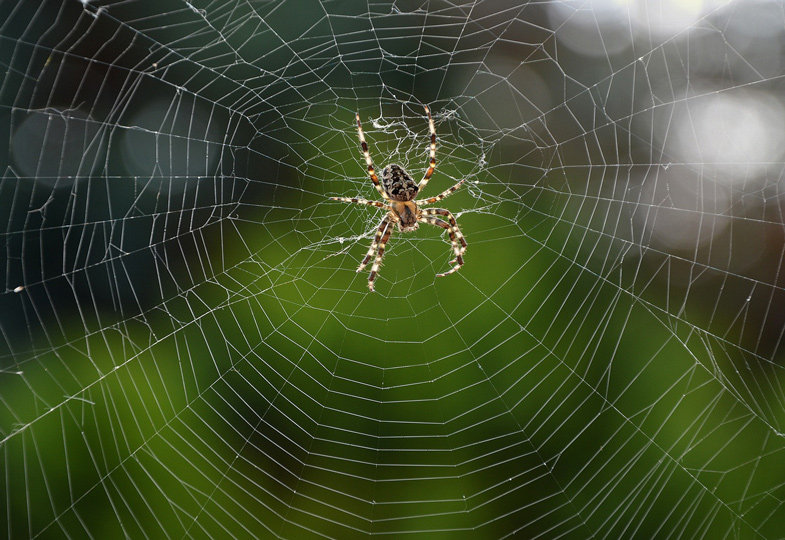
<point>187,349</point>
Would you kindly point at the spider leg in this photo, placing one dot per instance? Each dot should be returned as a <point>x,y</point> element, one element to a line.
<point>358,200</point>
<point>456,239</point>
<point>454,230</point>
<point>379,255</point>
<point>432,163</point>
<point>375,244</point>
<point>444,194</point>
<point>368,160</point>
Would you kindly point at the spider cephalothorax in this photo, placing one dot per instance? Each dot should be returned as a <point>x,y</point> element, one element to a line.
<point>399,193</point>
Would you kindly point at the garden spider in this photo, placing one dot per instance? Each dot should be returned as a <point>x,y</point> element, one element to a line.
<point>399,192</point>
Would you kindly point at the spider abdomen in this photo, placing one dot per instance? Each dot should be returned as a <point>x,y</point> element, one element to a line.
<point>398,184</point>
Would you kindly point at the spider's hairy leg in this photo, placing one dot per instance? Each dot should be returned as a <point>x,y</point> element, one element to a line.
<point>432,163</point>
<point>379,255</point>
<point>358,200</point>
<point>456,239</point>
<point>458,261</point>
<point>444,194</point>
<point>454,230</point>
<point>375,244</point>
<point>368,160</point>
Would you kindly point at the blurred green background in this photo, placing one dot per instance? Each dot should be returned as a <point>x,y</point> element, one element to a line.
<point>187,349</point>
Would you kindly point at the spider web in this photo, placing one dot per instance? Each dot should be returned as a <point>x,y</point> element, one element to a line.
<point>187,349</point>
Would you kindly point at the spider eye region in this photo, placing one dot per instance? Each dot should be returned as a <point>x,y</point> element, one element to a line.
<point>398,184</point>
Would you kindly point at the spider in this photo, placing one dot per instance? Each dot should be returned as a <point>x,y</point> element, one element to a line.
<point>399,193</point>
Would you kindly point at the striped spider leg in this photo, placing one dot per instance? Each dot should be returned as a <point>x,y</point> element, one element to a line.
<point>456,236</point>
<point>443,195</point>
<point>368,160</point>
<point>379,242</point>
<point>432,163</point>
<point>451,226</point>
